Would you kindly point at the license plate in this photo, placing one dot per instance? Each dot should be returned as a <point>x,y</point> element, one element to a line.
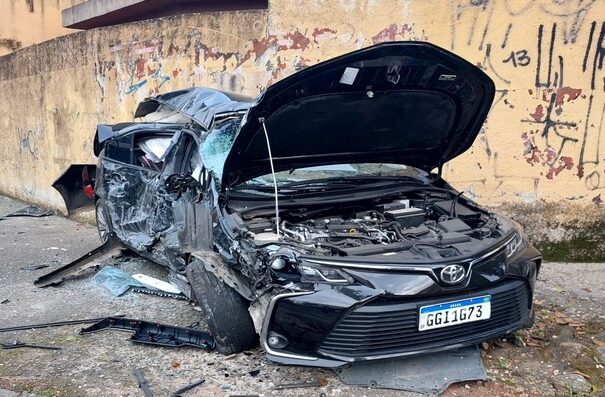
<point>455,312</point>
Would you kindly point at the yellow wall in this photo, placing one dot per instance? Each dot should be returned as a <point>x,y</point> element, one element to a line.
<point>27,22</point>
<point>540,143</point>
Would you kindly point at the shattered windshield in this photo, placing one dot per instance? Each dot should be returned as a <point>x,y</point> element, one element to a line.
<point>216,146</point>
<point>339,171</point>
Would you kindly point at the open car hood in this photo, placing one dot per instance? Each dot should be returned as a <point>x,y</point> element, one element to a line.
<point>203,106</point>
<point>409,103</point>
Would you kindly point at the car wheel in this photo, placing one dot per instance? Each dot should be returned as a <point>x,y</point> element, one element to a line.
<point>103,221</point>
<point>225,310</point>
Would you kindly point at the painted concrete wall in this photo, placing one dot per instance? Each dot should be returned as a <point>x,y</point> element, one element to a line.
<point>27,22</point>
<point>540,145</point>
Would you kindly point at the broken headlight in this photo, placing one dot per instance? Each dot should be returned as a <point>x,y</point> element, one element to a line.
<point>311,272</point>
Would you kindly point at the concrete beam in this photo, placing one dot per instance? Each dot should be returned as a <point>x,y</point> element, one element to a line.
<point>96,13</point>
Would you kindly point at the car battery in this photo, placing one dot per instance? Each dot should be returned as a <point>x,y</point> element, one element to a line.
<point>407,217</point>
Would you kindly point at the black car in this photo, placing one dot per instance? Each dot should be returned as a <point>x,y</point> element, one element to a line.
<point>315,215</point>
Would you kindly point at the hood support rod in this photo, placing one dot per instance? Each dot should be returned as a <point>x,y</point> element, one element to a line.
<point>262,121</point>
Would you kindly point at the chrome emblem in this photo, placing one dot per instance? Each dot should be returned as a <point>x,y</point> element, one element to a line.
<point>452,274</point>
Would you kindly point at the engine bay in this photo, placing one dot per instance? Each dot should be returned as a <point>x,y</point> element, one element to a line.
<point>429,226</point>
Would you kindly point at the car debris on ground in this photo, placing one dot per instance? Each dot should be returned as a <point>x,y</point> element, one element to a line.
<point>186,388</point>
<point>154,333</point>
<point>30,211</point>
<point>90,259</point>
<point>298,385</point>
<point>52,324</point>
<point>143,384</point>
<point>18,344</point>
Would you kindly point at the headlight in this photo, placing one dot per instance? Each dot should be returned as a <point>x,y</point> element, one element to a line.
<point>515,245</point>
<point>320,274</point>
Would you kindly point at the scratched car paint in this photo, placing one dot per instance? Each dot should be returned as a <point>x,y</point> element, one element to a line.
<point>314,218</point>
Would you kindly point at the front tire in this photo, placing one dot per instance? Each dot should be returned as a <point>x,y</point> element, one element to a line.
<point>225,310</point>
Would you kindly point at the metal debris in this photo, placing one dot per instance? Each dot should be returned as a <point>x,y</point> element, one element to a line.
<point>49,325</point>
<point>154,333</point>
<point>188,387</point>
<point>17,345</point>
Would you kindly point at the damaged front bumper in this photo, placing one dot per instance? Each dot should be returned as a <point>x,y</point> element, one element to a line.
<point>376,317</point>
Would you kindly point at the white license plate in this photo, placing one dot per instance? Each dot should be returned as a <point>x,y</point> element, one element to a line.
<point>455,312</point>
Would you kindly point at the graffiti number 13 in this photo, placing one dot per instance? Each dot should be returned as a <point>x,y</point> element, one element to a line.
<point>519,58</point>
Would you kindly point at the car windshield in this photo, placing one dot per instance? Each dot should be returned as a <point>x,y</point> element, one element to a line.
<point>217,144</point>
<point>336,171</point>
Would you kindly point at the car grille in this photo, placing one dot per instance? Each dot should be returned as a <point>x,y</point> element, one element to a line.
<point>390,326</point>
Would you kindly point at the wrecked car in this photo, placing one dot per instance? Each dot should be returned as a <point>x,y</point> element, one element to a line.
<point>315,217</point>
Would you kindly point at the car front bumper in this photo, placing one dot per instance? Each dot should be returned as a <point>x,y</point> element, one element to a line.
<point>377,317</point>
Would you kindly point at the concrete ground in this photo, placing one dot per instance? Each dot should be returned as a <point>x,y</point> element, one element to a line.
<point>563,354</point>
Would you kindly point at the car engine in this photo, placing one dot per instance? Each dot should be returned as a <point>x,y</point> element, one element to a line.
<point>429,227</point>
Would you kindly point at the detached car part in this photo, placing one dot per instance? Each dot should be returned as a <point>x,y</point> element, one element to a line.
<point>17,345</point>
<point>186,388</point>
<point>143,384</point>
<point>154,333</point>
<point>51,325</point>
<point>109,248</point>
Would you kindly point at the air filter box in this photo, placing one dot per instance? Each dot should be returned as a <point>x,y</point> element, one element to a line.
<point>407,217</point>
<point>462,212</point>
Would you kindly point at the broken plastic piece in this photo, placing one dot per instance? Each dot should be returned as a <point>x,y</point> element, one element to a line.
<point>427,374</point>
<point>30,211</point>
<point>188,387</point>
<point>154,283</point>
<point>111,247</point>
<point>155,333</point>
<point>142,383</point>
<point>149,291</point>
<point>298,385</point>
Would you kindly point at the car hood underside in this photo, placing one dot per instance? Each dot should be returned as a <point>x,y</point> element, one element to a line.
<point>409,103</point>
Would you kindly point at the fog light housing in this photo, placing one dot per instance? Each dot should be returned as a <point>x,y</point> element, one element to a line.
<point>277,341</point>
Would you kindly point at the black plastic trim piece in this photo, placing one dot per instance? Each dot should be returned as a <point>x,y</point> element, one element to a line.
<point>154,333</point>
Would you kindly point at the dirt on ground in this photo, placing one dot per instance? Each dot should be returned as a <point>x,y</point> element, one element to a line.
<point>562,355</point>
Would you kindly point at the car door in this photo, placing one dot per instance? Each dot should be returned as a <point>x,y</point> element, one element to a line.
<point>131,178</point>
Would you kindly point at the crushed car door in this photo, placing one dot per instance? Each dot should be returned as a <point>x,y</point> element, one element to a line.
<point>132,169</point>
<point>192,217</point>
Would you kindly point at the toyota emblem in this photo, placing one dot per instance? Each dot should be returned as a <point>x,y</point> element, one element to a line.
<point>452,274</point>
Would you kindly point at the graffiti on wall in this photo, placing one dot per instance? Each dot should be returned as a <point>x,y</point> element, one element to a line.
<point>545,56</point>
<point>550,79</point>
